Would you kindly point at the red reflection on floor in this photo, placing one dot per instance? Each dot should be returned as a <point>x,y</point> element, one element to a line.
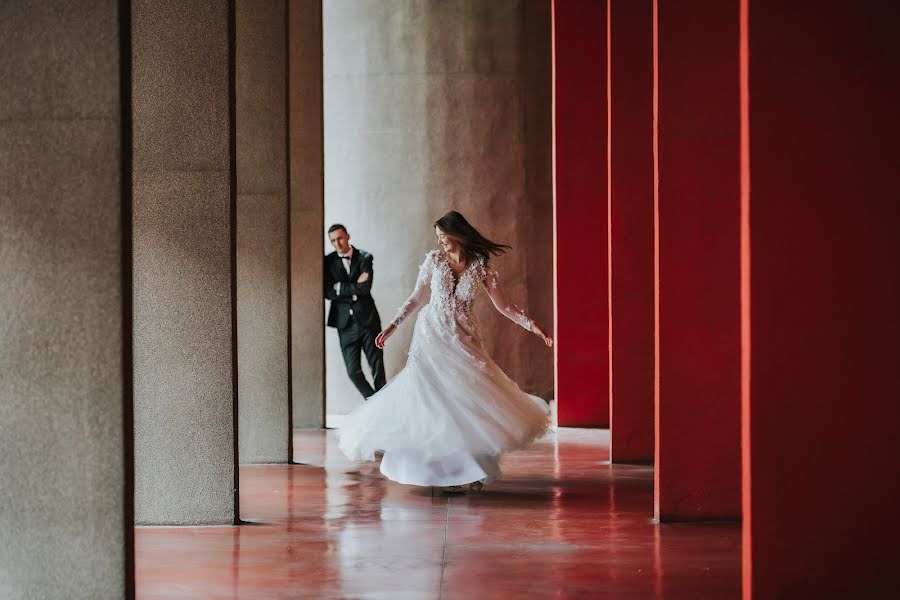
<point>563,523</point>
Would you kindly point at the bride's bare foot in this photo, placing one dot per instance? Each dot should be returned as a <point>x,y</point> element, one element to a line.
<point>476,486</point>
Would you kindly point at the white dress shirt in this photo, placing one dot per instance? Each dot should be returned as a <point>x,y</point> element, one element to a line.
<point>345,259</point>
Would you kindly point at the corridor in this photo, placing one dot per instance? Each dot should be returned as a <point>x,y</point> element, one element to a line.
<point>563,523</point>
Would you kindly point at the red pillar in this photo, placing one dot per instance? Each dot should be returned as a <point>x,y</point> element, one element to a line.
<point>820,450</point>
<point>631,229</point>
<point>698,459</point>
<point>580,183</point>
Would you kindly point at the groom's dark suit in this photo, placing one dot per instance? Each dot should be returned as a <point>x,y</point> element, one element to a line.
<point>357,321</point>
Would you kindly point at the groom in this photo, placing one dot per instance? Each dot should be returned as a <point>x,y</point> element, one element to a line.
<point>348,284</point>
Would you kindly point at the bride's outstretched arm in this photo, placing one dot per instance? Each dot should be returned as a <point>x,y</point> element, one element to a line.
<point>508,309</point>
<point>418,297</point>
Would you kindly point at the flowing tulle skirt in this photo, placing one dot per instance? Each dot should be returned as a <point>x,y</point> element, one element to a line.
<point>446,418</point>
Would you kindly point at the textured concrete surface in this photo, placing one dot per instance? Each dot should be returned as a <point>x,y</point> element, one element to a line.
<point>183,335</point>
<point>432,105</point>
<point>538,214</point>
<point>62,477</point>
<point>262,230</point>
<point>307,229</point>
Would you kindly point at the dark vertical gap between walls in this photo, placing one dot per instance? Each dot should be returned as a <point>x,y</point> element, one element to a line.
<point>127,281</point>
<point>287,171</point>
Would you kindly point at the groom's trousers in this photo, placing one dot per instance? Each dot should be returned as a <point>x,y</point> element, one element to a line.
<point>356,340</point>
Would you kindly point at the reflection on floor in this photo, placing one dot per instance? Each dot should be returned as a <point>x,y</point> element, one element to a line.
<point>563,523</point>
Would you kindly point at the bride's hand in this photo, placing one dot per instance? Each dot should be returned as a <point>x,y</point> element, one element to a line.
<point>541,334</point>
<point>384,335</point>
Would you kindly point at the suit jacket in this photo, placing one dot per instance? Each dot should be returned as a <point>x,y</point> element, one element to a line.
<point>342,303</point>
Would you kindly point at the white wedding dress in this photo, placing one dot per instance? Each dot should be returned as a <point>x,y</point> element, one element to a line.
<point>446,418</point>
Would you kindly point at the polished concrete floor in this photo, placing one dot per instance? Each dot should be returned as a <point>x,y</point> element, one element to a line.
<point>563,523</point>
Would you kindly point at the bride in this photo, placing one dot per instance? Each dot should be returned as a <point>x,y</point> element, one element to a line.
<point>446,418</point>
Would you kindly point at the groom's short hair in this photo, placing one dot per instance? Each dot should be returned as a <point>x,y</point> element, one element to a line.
<point>337,226</point>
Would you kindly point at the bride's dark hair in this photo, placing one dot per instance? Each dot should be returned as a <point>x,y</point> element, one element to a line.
<point>474,245</point>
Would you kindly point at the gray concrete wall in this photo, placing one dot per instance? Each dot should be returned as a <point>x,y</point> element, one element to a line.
<point>432,105</point>
<point>183,249</point>
<point>262,231</point>
<point>306,156</point>
<point>63,482</point>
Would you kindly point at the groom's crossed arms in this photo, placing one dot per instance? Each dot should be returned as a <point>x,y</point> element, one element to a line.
<point>347,291</point>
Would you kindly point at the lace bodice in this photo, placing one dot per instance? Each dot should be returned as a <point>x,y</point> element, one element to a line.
<point>452,299</point>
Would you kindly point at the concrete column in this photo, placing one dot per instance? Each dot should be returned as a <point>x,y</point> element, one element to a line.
<point>537,52</point>
<point>631,230</point>
<point>820,486</point>
<point>582,274</point>
<point>184,254</point>
<point>264,424</point>
<point>699,329</point>
<point>307,212</point>
<point>65,385</point>
<point>425,110</point>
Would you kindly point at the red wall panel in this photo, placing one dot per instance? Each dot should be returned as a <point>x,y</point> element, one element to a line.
<point>631,229</point>
<point>698,460</point>
<point>580,174</point>
<point>825,293</point>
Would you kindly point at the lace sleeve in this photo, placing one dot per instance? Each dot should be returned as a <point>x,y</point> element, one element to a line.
<point>420,292</point>
<point>501,303</point>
